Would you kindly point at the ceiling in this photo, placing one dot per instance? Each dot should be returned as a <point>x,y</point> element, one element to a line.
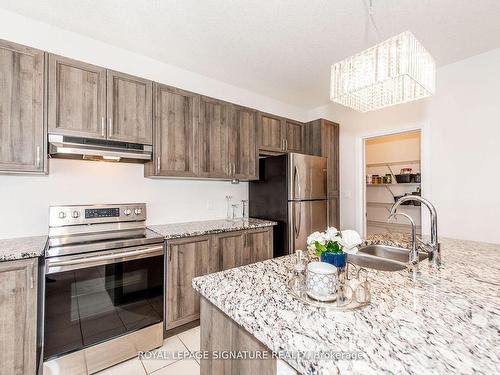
<point>279,48</point>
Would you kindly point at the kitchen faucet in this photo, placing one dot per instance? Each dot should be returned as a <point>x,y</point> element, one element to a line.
<point>413,256</point>
<point>433,248</point>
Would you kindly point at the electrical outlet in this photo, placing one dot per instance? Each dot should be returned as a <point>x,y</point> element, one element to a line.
<point>210,204</point>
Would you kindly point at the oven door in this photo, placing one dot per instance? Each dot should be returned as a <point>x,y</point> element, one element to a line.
<point>94,297</point>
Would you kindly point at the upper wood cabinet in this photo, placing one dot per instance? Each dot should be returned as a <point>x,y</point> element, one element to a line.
<point>175,127</point>
<point>294,136</point>
<point>77,98</point>
<point>22,125</point>
<point>242,143</point>
<point>213,133</point>
<point>18,316</point>
<point>187,258</point>
<point>322,139</point>
<point>129,108</point>
<point>278,135</point>
<point>271,133</point>
<point>78,104</point>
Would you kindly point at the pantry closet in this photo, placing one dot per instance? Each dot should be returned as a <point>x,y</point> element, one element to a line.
<point>392,168</point>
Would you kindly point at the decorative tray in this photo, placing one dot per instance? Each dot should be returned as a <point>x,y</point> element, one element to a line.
<point>353,292</point>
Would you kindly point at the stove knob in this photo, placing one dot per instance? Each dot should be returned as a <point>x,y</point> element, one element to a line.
<point>61,215</point>
<point>127,211</point>
<point>138,211</point>
<point>75,214</point>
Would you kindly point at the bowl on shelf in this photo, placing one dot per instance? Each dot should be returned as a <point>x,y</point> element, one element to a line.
<point>403,178</point>
<point>396,198</point>
<point>416,177</point>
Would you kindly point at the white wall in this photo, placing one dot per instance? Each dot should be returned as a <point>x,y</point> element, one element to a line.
<point>461,138</point>
<point>24,200</point>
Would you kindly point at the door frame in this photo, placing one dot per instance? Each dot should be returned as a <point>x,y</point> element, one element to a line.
<point>425,169</point>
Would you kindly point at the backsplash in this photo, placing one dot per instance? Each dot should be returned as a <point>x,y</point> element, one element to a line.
<point>25,200</point>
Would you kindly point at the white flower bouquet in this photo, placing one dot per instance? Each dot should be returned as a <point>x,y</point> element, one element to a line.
<point>334,241</point>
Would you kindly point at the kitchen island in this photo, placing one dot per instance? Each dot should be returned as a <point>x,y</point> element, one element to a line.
<point>446,323</point>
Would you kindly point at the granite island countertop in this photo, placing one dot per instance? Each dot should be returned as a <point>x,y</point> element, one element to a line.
<point>22,248</point>
<point>199,228</point>
<point>446,323</point>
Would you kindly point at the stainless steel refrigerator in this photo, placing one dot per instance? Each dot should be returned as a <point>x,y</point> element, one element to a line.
<point>292,191</point>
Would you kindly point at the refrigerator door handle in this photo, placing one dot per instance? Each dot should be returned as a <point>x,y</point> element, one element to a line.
<point>296,178</point>
<point>297,228</point>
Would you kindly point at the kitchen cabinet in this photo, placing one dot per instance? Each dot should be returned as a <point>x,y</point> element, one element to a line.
<point>232,250</point>
<point>18,316</point>
<point>278,135</point>
<point>294,136</point>
<point>271,133</point>
<point>22,124</point>
<point>242,142</point>
<point>76,98</point>
<point>259,244</point>
<point>190,257</point>
<point>186,259</point>
<point>129,108</point>
<point>322,139</point>
<point>85,100</point>
<point>214,138</point>
<point>238,249</point>
<point>175,126</point>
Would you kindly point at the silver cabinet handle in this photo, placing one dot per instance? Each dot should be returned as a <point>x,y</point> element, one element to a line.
<point>286,144</point>
<point>110,127</point>
<point>283,144</point>
<point>234,169</point>
<point>103,127</point>
<point>38,157</point>
<point>158,165</point>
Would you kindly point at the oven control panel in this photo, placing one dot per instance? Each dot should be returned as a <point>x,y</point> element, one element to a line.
<point>95,214</point>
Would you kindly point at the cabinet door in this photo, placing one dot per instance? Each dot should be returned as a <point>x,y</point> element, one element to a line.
<point>22,146</point>
<point>213,138</point>
<point>232,251</point>
<point>175,127</point>
<point>330,146</point>
<point>242,145</point>
<point>259,244</point>
<point>333,213</point>
<point>18,316</point>
<point>271,134</point>
<point>129,108</point>
<point>77,98</point>
<point>294,136</point>
<point>186,259</point>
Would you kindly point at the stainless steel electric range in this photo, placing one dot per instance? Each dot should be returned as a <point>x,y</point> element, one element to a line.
<point>104,287</point>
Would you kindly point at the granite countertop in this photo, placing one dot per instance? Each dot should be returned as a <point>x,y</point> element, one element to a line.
<point>445,323</point>
<point>198,228</point>
<point>22,248</point>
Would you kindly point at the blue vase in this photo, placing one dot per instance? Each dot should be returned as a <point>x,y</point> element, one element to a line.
<point>338,260</point>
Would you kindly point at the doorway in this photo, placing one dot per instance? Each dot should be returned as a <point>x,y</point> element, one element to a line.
<point>392,165</point>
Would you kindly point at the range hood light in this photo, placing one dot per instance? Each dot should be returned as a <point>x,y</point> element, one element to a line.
<point>111,158</point>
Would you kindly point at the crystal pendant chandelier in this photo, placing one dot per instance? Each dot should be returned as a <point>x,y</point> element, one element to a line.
<point>396,71</point>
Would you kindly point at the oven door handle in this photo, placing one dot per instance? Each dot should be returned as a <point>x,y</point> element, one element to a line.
<point>85,262</point>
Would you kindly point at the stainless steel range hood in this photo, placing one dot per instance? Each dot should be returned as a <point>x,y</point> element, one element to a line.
<point>69,147</point>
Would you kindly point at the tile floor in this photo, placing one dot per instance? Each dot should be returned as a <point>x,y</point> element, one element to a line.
<point>188,340</point>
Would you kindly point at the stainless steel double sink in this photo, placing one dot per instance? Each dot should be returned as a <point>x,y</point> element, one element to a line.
<point>383,257</point>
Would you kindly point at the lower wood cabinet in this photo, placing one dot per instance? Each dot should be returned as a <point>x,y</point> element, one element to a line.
<point>18,316</point>
<point>190,257</point>
<point>187,258</point>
